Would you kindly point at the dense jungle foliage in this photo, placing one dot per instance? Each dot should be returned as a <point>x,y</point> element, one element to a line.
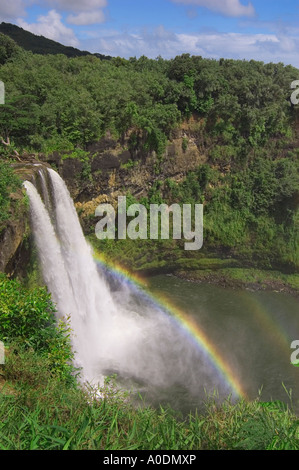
<point>238,112</point>
<point>239,115</point>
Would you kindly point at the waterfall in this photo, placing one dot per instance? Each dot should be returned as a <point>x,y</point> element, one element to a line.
<point>55,274</point>
<point>45,192</point>
<point>112,330</point>
<point>69,270</point>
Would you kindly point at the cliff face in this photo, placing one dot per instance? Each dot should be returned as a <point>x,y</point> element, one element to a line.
<point>14,253</point>
<point>114,170</point>
<point>11,239</point>
<point>15,235</point>
<point>111,170</point>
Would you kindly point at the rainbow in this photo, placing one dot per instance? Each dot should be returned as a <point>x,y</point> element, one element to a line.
<point>182,320</point>
<point>272,328</point>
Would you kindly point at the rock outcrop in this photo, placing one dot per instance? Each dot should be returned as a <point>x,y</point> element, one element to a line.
<point>15,236</point>
<point>110,170</point>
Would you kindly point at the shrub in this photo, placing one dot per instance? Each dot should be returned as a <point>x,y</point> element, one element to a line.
<point>9,182</point>
<point>28,317</point>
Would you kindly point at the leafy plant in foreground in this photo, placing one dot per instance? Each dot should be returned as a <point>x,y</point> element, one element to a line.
<point>28,317</point>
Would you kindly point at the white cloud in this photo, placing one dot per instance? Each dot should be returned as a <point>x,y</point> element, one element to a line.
<point>12,9</point>
<point>83,12</point>
<point>226,7</point>
<point>77,5</point>
<point>51,27</point>
<point>263,47</point>
<point>87,17</point>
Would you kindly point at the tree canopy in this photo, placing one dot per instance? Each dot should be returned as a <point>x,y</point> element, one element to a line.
<point>242,120</point>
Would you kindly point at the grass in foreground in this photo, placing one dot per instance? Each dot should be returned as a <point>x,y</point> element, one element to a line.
<point>43,407</point>
<point>39,410</point>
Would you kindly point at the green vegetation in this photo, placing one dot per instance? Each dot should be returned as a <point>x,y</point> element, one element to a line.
<point>154,256</point>
<point>237,113</point>
<point>9,183</point>
<point>38,415</point>
<point>40,44</point>
<point>221,272</point>
<point>27,318</point>
<point>250,218</point>
<point>42,407</point>
<point>241,105</point>
<point>252,215</point>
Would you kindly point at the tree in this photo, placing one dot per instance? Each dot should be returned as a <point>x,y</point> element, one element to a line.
<point>8,48</point>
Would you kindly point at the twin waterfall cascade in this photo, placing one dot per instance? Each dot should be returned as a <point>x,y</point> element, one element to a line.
<point>115,329</point>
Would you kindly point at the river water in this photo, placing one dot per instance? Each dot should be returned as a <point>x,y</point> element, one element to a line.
<point>252,331</point>
<point>236,340</point>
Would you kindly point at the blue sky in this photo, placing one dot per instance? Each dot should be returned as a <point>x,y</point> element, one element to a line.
<point>266,30</point>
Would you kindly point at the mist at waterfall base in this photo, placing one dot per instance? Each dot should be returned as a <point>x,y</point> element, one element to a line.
<point>116,328</point>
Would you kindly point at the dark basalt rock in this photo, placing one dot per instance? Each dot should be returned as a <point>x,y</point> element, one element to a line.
<point>105,143</point>
<point>15,233</point>
<point>71,168</point>
<point>106,161</point>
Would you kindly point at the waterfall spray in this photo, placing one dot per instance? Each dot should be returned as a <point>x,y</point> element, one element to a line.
<point>113,332</point>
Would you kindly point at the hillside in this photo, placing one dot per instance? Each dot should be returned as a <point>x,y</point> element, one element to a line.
<point>111,348</point>
<point>40,44</point>
<point>187,130</point>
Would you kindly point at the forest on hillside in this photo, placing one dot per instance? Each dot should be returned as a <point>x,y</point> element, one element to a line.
<point>238,116</point>
<point>40,44</point>
<point>239,112</point>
